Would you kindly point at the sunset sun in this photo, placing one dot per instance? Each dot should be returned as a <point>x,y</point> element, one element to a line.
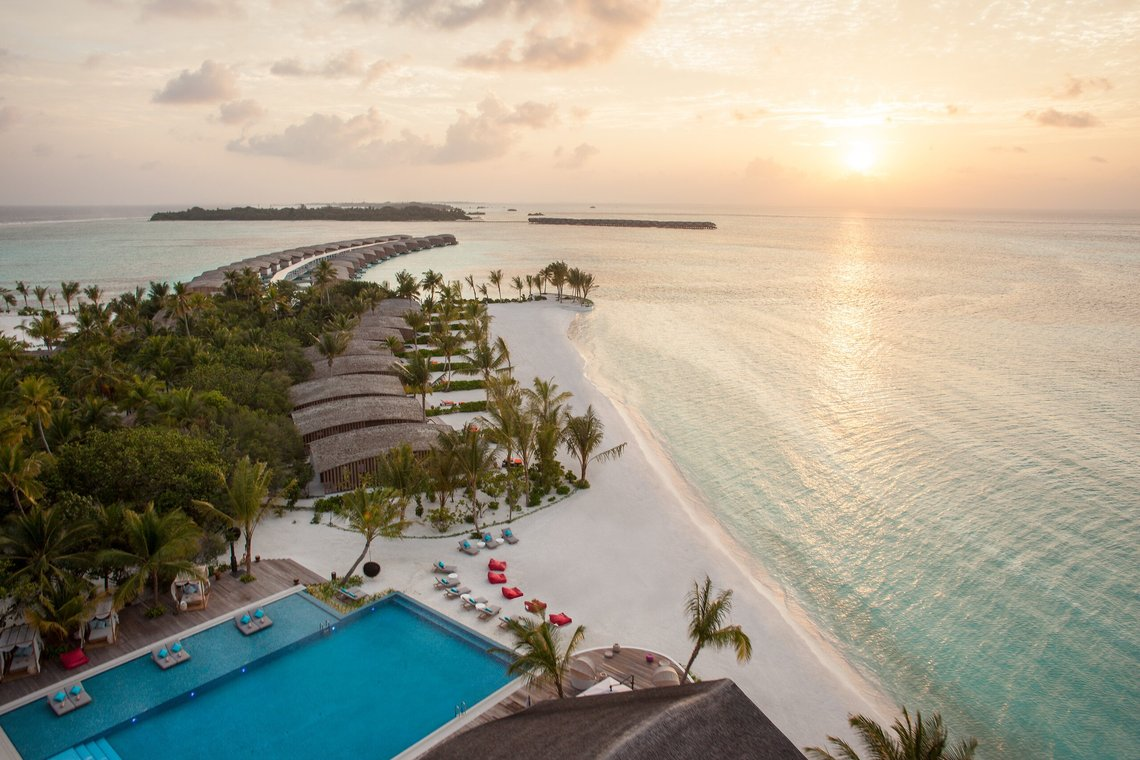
<point>860,158</point>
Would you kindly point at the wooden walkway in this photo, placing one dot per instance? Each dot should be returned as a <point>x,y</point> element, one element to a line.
<point>227,596</point>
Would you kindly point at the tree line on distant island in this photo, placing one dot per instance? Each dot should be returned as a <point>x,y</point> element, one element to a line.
<point>410,212</point>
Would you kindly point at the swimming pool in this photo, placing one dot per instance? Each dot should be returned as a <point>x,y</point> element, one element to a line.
<point>387,676</point>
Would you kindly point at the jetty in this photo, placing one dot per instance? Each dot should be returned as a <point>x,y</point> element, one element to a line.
<point>677,225</point>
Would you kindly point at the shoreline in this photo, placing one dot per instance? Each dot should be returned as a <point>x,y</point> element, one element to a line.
<point>619,557</point>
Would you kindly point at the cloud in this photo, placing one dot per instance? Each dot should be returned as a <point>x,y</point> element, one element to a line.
<point>488,133</point>
<point>558,34</point>
<point>1055,118</point>
<point>1007,149</point>
<point>9,115</point>
<point>578,158</point>
<point>1075,87</point>
<point>189,9</point>
<point>342,65</point>
<point>749,115</point>
<point>764,168</point>
<point>952,110</point>
<point>209,84</point>
<point>1098,159</point>
<point>240,112</point>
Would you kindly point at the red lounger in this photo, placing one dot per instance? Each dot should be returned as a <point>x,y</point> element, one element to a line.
<point>73,659</point>
<point>496,577</point>
<point>560,618</point>
<point>512,593</point>
<point>496,564</point>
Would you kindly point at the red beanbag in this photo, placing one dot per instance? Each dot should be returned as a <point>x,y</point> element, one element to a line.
<point>496,564</point>
<point>512,593</point>
<point>560,618</point>
<point>496,577</point>
<point>73,659</point>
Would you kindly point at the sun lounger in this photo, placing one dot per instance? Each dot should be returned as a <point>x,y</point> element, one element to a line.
<point>64,701</point>
<point>350,595</point>
<point>560,618</point>
<point>470,601</point>
<point>487,611</point>
<point>505,621</point>
<point>509,537</point>
<point>496,578</point>
<point>169,655</point>
<point>582,674</point>
<point>491,541</point>
<point>446,582</point>
<point>440,567</point>
<point>102,631</point>
<point>457,592</point>
<point>666,676</point>
<point>250,623</point>
<point>496,564</point>
<point>467,547</point>
<point>512,592</point>
<point>24,661</point>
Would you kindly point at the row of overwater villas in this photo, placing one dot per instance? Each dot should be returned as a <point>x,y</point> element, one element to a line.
<point>352,412</point>
<point>348,257</point>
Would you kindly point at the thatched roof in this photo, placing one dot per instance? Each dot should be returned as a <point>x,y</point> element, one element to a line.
<point>711,719</point>
<point>376,319</point>
<point>377,334</point>
<point>344,386</point>
<point>395,307</point>
<point>355,348</point>
<point>363,412</point>
<point>356,445</point>
<point>372,363</point>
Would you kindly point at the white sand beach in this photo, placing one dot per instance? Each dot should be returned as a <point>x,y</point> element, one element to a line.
<point>618,557</point>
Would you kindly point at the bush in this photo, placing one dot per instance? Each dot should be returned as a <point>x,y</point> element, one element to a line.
<point>441,519</point>
<point>562,490</point>
<point>156,611</point>
<point>583,484</point>
<point>247,578</point>
<point>419,510</point>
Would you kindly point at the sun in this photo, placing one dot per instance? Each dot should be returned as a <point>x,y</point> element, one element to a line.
<point>860,158</point>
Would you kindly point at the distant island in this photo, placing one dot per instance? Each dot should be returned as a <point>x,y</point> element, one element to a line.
<point>389,212</point>
<point>623,223</point>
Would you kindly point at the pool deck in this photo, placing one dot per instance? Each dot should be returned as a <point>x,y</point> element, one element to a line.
<point>227,595</point>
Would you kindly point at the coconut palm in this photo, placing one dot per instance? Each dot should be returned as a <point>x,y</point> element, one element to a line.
<point>406,285</point>
<point>332,344</point>
<point>417,321</point>
<point>450,343</point>
<point>9,299</point>
<point>517,284</point>
<point>416,373</point>
<point>44,546</point>
<point>46,328</point>
<point>431,281</point>
<point>38,397</point>
<point>529,286</point>
<point>399,469</point>
<point>917,740</point>
<point>474,459</point>
<point>41,293</point>
<point>485,359</point>
<point>707,617</point>
<point>545,402</point>
<point>558,275</point>
<point>61,608</point>
<point>539,654</point>
<point>93,293</point>
<point>442,474</point>
<point>323,275</point>
<point>20,472</point>
<point>583,435</point>
<point>245,501</point>
<point>69,290</point>
<point>496,279</point>
<point>505,353</point>
<point>157,545</point>
<point>470,280</point>
<point>586,286</point>
<point>22,289</point>
<point>373,512</point>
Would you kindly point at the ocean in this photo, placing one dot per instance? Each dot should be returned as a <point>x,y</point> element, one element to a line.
<point>923,428</point>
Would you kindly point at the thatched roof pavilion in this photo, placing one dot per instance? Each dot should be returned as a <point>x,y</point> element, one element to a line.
<point>710,719</point>
<point>341,461</point>
<point>355,347</point>
<point>343,386</point>
<point>395,307</point>
<point>372,363</point>
<point>334,417</point>
<point>371,319</point>
<point>379,335</point>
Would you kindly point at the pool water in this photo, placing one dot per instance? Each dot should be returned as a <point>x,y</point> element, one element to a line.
<point>384,678</point>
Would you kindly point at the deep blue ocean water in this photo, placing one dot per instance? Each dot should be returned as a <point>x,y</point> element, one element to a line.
<point>923,427</point>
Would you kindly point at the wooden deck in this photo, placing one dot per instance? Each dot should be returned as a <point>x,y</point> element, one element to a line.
<point>227,596</point>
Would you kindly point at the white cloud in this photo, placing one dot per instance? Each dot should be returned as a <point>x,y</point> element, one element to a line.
<point>1054,118</point>
<point>240,112</point>
<point>211,83</point>
<point>578,158</point>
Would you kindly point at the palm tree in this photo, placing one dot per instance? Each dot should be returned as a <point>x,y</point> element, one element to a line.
<point>496,278</point>
<point>417,321</point>
<point>470,280</point>
<point>406,285</point>
<point>504,352</point>
<point>557,274</point>
<point>539,653</point>
<point>474,458</point>
<point>545,402</point>
<point>517,284</point>
<point>44,546</point>
<point>323,275</point>
<point>583,435</point>
<point>373,513</point>
<point>707,616</point>
<point>22,289</point>
<point>485,359</point>
<point>442,474</point>
<point>431,281</point>
<point>41,293</point>
<point>38,397</point>
<point>158,544</point>
<point>332,344</point>
<point>586,285</point>
<point>399,469</point>
<point>9,300</point>
<point>246,500</point>
<point>46,328</point>
<point>415,373</point>
<point>20,473</point>
<point>69,290</point>
<point>917,740</point>
<point>61,608</point>
<point>529,286</point>
<point>449,343</point>
<point>93,294</point>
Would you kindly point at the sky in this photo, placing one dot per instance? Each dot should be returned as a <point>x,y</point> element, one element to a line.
<point>767,104</point>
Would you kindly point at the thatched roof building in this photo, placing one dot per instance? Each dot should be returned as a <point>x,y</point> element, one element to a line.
<point>343,386</point>
<point>355,348</point>
<point>341,461</point>
<point>334,417</point>
<point>395,307</point>
<point>711,719</point>
<point>372,363</point>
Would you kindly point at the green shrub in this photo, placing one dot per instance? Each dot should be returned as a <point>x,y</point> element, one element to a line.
<point>247,578</point>
<point>583,484</point>
<point>420,510</point>
<point>562,490</point>
<point>156,611</point>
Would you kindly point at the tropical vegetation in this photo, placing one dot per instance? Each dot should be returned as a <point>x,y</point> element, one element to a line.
<point>917,739</point>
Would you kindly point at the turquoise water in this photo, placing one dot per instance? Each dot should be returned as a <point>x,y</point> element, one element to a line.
<point>382,680</point>
<point>923,428</point>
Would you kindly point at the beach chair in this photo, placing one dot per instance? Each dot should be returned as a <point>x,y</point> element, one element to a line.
<point>496,564</point>
<point>457,592</point>
<point>250,623</point>
<point>487,611</point>
<point>582,674</point>
<point>350,595</point>
<point>169,655</point>
<point>666,676</point>
<point>505,621</point>
<point>491,541</point>
<point>467,547</point>
<point>440,567</point>
<point>509,536</point>
<point>64,701</point>
<point>470,601</point>
<point>446,582</point>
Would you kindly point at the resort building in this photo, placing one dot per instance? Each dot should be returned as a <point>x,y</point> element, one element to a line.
<point>342,461</point>
<point>338,387</point>
<point>318,421</point>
